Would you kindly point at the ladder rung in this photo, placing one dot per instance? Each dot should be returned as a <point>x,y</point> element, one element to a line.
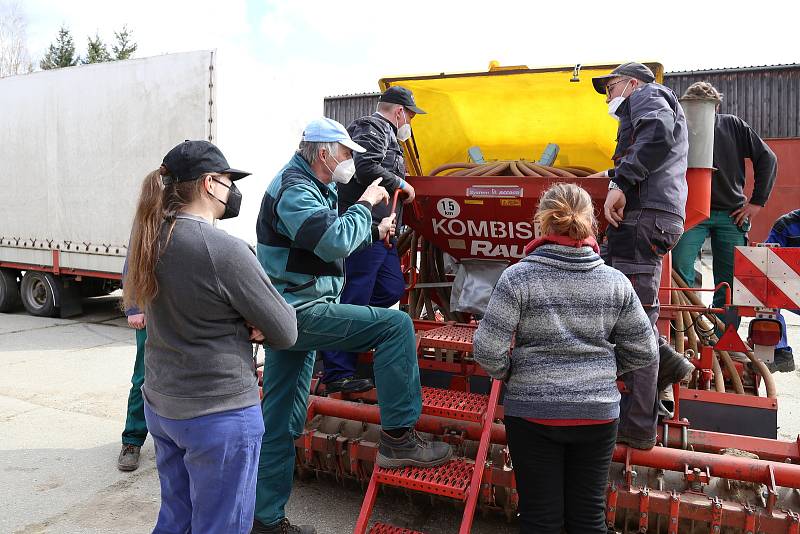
<point>450,337</point>
<point>454,404</point>
<point>448,480</point>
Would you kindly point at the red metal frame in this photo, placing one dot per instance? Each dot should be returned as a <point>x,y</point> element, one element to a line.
<point>732,467</point>
<point>449,480</point>
<point>697,457</point>
<point>480,458</point>
<point>699,440</point>
<point>387,241</point>
<point>731,399</point>
<point>695,308</point>
<point>454,404</point>
<point>57,270</point>
<point>786,475</point>
<point>688,506</point>
<point>459,478</point>
<point>449,336</point>
<point>772,452</point>
<point>369,413</point>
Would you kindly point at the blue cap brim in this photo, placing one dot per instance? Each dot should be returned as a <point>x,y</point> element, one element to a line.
<point>352,145</point>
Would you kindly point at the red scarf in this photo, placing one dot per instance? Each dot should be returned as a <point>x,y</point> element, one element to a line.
<point>552,239</point>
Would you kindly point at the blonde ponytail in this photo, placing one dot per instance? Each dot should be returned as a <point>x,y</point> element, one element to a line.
<point>566,209</point>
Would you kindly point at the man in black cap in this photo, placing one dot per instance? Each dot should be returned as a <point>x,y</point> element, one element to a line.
<point>645,209</point>
<point>373,275</point>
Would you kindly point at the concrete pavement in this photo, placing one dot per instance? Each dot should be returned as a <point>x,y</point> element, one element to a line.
<point>63,393</point>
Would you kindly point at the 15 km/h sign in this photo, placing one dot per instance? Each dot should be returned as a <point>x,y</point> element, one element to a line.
<point>483,217</point>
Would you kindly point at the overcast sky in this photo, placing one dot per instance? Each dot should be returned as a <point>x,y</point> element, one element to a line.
<point>278,59</point>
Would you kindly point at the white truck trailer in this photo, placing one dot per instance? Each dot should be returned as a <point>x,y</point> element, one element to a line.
<point>75,144</point>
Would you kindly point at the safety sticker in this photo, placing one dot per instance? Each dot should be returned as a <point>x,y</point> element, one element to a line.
<point>494,191</point>
<point>448,208</point>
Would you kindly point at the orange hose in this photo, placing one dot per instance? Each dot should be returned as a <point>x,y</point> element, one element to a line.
<point>450,166</point>
<point>498,169</point>
<point>514,169</point>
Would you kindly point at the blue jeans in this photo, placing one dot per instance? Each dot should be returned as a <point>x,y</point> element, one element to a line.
<point>287,379</point>
<point>207,467</point>
<point>374,278</point>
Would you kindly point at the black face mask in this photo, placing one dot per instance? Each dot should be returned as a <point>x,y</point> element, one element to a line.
<point>234,202</point>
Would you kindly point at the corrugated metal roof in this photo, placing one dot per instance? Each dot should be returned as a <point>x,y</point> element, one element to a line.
<point>738,69</point>
<point>351,95</point>
<point>347,108</point>
<point>767,97</point>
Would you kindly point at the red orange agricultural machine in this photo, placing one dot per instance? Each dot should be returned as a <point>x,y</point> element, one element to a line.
<point>718,466</point>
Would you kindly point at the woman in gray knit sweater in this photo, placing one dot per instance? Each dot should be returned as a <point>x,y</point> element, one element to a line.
<point>577,325</point>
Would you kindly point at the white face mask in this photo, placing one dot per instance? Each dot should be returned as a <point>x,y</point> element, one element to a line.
<point>344,170</point>
<point>404,131</point>
<point>616,102</point>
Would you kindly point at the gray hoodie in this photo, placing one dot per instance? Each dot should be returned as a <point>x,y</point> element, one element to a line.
<point>198,359</point>
<point>578,325</point>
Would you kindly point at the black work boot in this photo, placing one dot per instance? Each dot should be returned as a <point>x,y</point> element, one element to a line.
<point>281,527</point>
<point>783,363</point>
<point>411,450</point>
<point>128,457</point>
<point>672,366</point>
<point>350,384</point>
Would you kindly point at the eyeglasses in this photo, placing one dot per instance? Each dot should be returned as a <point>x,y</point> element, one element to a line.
<point>609,86</point>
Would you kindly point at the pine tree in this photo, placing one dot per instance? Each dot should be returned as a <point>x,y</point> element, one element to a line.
<point>125,46</point>
<point>61,53</point>
<point>96,51</point>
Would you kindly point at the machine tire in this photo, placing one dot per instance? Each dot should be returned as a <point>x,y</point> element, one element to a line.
<point>40,292</point>
<point>9,291</point>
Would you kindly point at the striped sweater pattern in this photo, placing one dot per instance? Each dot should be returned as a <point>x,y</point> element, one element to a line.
<point>576,325</point>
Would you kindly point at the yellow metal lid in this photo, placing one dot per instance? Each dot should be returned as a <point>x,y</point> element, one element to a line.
<point>511,113</point>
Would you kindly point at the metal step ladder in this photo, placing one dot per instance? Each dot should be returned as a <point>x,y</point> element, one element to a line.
<point>460,478</point>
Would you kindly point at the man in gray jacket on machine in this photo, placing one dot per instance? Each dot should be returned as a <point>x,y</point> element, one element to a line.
<point>645,209</point>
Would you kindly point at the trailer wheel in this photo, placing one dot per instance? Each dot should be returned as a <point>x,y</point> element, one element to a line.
<point>9,290</point>
<point>40,293</point>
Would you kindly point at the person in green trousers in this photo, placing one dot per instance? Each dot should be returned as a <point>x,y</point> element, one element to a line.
<point>135,426</point>
<point>731,211</point>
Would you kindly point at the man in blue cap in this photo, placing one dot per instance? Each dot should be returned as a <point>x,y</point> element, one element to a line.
<point>374,276</point>
<point>302,243</point>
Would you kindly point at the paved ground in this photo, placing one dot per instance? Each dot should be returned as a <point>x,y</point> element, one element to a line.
<point>63,391</point>
<point>63,394</point>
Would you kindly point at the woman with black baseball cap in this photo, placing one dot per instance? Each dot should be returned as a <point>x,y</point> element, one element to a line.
<point>207,300</point>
